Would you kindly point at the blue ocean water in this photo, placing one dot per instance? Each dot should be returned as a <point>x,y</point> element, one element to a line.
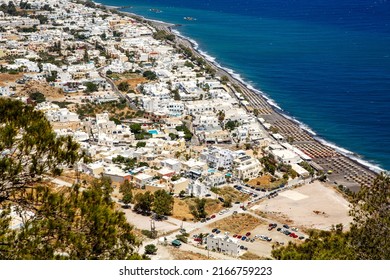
<point>326,63</point>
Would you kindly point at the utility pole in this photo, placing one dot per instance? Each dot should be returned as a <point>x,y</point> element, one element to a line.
<point>153,231</point>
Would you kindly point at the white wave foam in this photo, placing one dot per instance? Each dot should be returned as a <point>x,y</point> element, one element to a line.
<point>192,41</point>
<point>351,155</point>
<point>270,101</point>
<point>301,124</point>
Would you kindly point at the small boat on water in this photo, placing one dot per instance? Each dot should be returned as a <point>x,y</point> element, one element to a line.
<point>189,18</point>
<point>155,10</point>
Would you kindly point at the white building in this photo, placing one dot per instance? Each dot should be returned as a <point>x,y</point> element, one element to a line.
<point>62,115</point>
<point>286,156</point>
<point>217,157</point>
<point>172,164</point>
<point>223,244</point>
<point>198,189</point>
<point>246,167</point>
<point>140,180</point>
<point>5,91</point>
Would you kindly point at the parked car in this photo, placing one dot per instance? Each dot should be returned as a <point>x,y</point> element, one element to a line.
<point>263,237</point>
<point>221,199</point>
<point>214,230</point>
<point>235,235</point>
<point>212,216</point>
<point>243,238</point>
<point>269,239</point>
<point>239,236</point>
<point>279,229</point>
<point>286,226</point>
<point>218,231</point>
<point>248,233</point>
<point>301,237</point>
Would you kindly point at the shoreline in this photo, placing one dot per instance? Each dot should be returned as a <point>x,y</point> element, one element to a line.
<point>231,74</point>
<point>274,112</point>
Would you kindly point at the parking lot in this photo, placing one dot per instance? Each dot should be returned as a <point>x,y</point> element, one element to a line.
<point>313,205</point>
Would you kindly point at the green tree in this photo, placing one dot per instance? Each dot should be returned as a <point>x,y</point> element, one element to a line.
<point>224,79</point>
<point>321,245</point>
<point>37,97</point>
<point>123,86</point>
<point>91,87</point>
<point>150,249</point>
<point>198,210</point>
<point>189,64</point>
<point>370,232</point>
<point>126,190</point>
<point>127,198</point>
<point>163,203</point>
<point>150,75</point>
<point>135,128</point>
<point>176,95</point>
<point>227,202</point>
<point>70,225</point>
<point>29,149</point>
<point>230,125</point>
<point>52,77</point>
<point>143,202</point>
<point>141,144</point>
<point>173,136</point>
<point>182,193</point>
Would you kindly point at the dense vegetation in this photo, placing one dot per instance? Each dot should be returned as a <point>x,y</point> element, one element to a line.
<point>67,224</point>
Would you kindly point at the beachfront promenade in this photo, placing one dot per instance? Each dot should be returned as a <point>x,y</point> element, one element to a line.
<point>340,169</point>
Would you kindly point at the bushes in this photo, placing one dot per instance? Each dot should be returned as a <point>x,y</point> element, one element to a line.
<point>150,249</point>
<point>123,86</point>
<point>37,97</point>
<point>150,75</point>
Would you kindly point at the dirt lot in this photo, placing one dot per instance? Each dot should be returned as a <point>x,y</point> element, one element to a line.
<point>143,222</point>
<point>132,79</point>
<point>48,91</point>
<point>233,194</point>
<point>9,78</point>
<point>181,208</point>
<point>251,256</point>
<point>310,206</point>
<point>265,182</point>
<point>262,181</point>
<point>237,224</point>
<point>185,255</point>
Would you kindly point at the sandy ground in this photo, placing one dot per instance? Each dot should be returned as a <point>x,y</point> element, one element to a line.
<point>295,207</point>
<point>310,206</point>
<point>143,222</point>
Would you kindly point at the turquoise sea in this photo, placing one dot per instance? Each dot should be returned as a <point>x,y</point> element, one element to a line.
<point>324,63</point>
